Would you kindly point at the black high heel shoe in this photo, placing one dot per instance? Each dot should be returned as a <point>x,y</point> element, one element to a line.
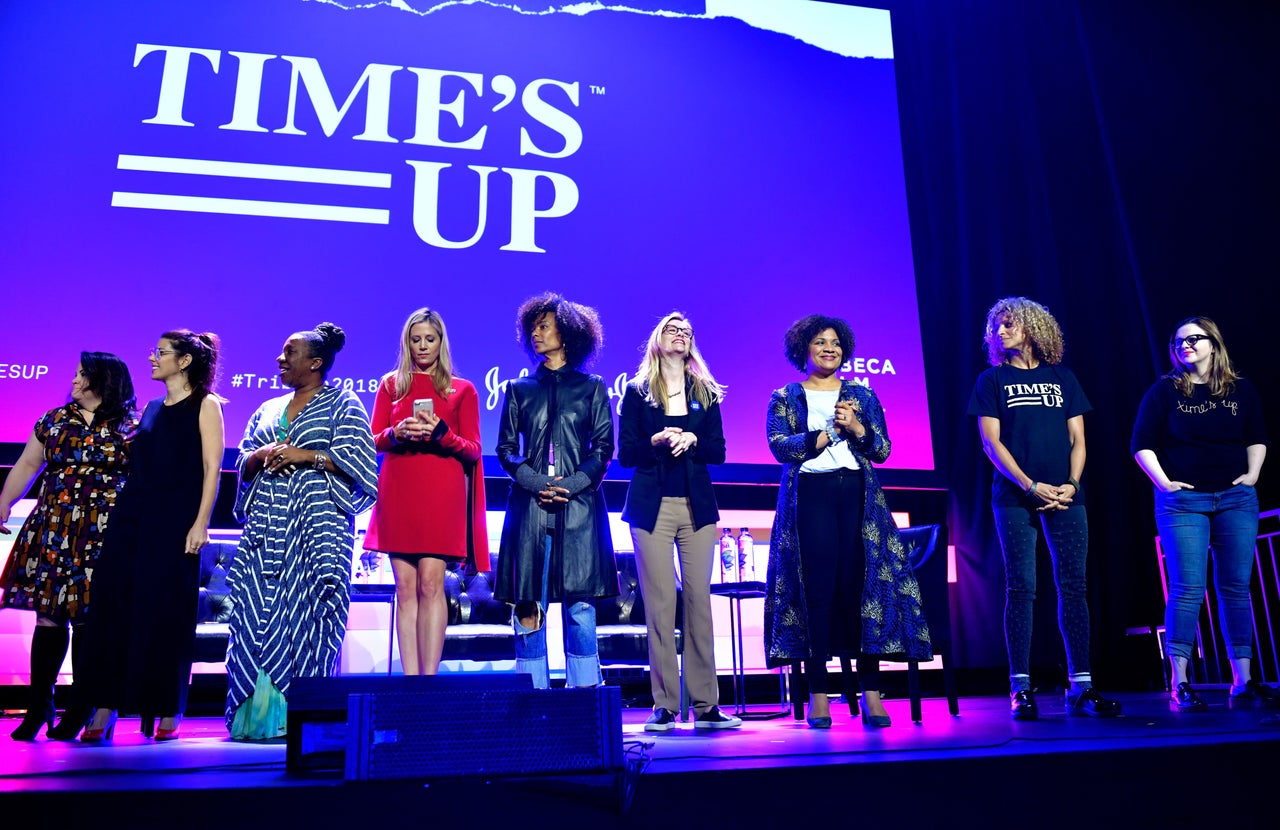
<point>31,723</point>
<point>869,719</point>
<point>148,726</point>
<point>70,724</point>
<point>819,722</point>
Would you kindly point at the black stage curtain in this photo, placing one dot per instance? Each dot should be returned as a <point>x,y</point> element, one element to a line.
<point>1116,162</point>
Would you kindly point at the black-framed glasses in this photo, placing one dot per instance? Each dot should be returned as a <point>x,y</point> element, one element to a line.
<point>1191,340</point>
<point>674,330</point>
<point>158,353</point>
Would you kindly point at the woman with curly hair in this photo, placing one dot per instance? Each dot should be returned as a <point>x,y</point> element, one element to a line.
<point>1201,439</point>
<point>839,581</point>
<point>1030,412</point>
<point>83,447</point>
<point>555,439</point>
<point>670,431</point>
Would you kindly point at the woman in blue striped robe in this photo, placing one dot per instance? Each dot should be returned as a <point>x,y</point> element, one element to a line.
<point>307,466</point>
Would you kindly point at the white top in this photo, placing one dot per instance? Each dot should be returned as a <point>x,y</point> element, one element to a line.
<point>822,414</point>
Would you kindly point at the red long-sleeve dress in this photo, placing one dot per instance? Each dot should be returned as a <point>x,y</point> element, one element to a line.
<point>430,493</point>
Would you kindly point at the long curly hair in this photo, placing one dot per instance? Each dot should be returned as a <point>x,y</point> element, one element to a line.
<point>705,387</point>
<point>1222,375</point>
<point>110,380</point>
<point>202,371</point>
<point>401,379</point>
<point>579,326</point>
<point>796,340</point>
<point>1041,329</point>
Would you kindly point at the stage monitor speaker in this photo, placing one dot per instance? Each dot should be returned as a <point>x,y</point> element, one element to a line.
<point>448,733</point>
<point>317,728</point>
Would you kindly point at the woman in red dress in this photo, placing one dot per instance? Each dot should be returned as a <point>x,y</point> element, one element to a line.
<point>430,510</point>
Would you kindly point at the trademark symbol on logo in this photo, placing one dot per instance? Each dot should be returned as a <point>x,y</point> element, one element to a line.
<point>597,90</point>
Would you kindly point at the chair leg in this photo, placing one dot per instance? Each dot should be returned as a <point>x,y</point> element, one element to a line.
<point>949,677</point>
<point>850,687</point>
<point>913,690</point>
<point>799,690</point>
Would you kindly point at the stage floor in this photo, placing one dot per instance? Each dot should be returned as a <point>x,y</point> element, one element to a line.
<point>944,757</point>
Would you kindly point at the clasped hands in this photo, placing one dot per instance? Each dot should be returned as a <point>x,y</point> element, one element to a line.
<point>281,456</point>
<point>677,439</point>
<point>418,427</point>
<point>846,419</point>
<point>552,496</point>
<point>1054,498</point>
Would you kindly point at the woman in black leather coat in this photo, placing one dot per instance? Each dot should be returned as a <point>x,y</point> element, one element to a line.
<point>555,439</point>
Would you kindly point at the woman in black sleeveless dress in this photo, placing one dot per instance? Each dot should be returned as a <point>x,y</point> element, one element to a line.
<point>142,626</point>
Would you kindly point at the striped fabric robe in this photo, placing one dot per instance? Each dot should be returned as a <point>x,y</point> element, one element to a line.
<point>290,582</point>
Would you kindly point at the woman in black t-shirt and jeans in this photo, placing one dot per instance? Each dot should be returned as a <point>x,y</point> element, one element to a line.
<point>1030,413</point>
<point>1201,439</point>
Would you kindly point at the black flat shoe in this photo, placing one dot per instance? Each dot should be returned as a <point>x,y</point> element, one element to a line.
<point>1184,699</point>
<point>1255,694</point>
<point>1022,706</point>
<point>1092,705</point>
<point>662,720</point>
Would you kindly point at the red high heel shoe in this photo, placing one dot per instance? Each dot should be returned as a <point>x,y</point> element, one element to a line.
<point>104,733</point>
<point>163,734</point>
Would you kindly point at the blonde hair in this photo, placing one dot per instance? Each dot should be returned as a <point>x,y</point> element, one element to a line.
<point>1037,323</point>
<point>1222,375</point>
<point>705,387</point>
<point>399,381</point>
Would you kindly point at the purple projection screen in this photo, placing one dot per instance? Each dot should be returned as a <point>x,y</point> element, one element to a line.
<point>254,168</point>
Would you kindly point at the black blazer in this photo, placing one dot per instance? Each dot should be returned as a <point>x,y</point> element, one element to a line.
<point>640,420</point>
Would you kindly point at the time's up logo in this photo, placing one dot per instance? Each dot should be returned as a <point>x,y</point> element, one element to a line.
<point>244,113</point>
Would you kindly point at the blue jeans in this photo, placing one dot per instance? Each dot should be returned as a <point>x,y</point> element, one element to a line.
<point>1067,533</point>
<point>581,653</point>
<point>1190,523</point>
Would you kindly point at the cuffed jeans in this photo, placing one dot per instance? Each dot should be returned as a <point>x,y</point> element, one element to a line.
<point>1189,523</point>
<point>1067,533</point>
<point>581,652</point>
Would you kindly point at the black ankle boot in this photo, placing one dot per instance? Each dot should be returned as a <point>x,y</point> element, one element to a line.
<point>78,713</point>
<point>48,648</point>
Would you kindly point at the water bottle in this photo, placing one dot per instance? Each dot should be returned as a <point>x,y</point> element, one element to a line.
<point>746,555</point>
<point>728,556</point>
<point>360,562</point>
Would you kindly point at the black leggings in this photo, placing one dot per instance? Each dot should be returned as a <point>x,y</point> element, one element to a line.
<point>833,564</point>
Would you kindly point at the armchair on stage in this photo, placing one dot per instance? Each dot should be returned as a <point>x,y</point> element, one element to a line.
<point>927,549</point>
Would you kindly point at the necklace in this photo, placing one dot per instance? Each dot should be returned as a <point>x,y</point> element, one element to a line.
<point>675,394</point>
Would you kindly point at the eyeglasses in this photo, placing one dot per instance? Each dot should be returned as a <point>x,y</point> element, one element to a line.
<point>1191,340</point>
<point>674,330</point>
<point>159,353</point>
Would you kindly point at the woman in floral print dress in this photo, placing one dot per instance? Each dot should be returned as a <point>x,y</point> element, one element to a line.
<point>83,447</point>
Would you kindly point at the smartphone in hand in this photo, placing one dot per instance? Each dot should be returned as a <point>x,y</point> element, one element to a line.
<point>423,405</point>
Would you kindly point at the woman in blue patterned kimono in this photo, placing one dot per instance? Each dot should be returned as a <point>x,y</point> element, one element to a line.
<point>839,581</point>
<point>307,466</point>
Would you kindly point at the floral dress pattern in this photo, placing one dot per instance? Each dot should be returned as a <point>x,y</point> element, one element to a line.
<point>50,569</point>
